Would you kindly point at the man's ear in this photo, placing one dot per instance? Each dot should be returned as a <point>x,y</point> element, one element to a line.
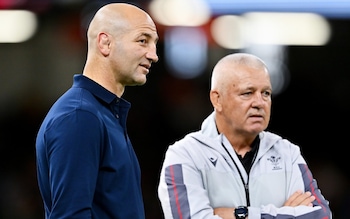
<point>215,100</point>
<point>104,42</point>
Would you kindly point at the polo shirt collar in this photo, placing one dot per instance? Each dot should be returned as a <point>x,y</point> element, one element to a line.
<point>96,89</point>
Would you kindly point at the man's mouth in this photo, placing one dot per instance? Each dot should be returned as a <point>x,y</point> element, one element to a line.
<point>147,66</point>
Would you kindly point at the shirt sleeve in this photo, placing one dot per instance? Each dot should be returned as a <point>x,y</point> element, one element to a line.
<point>73,155</point>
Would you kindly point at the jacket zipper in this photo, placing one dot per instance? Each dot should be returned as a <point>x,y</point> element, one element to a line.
<point>246,185</point>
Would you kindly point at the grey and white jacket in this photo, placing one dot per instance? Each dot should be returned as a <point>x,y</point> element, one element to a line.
<point>199,175</point>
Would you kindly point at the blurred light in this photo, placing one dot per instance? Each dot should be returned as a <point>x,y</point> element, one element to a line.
<point>233,32</point>
<point>185,51</point>
<point>180,12</point>
<point>37,6</point>
<point>227,31</point>
<point>68,2</point>
<point>6,4</point>
<point>327,8</point>
<point>287,29</point>
<point>17,25</point>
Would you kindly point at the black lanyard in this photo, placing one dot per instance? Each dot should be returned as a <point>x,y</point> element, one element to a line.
<point>246,185</point>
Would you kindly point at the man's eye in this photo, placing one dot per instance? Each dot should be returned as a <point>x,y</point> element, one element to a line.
<point>143,41</point>
<point>267,93</point>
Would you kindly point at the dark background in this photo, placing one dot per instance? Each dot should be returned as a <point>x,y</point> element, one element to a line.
<point>313,111</point>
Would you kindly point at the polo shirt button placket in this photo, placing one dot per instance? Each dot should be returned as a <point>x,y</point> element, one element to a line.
<point>116,106</point>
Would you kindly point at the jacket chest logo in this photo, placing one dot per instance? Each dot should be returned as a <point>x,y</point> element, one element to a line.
<point>213,160</point>
<point>275,161</point>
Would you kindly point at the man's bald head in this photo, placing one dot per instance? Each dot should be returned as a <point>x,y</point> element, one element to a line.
<point>122,45</point>
<point>228,65</point>
<point>116,18</point>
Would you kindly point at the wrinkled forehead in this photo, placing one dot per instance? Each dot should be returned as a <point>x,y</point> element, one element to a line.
<point>249,76</point>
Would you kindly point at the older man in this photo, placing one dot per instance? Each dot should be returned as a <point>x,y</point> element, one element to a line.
<point>232,168</point>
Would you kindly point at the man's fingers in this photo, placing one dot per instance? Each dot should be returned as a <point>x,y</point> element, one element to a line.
<point>308,201</point>
<point>292,198</point>
<point>299,198</point>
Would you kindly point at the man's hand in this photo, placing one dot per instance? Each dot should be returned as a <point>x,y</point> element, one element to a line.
<point>225,213</point>
<point>300,198</point>
<point>296,199</point>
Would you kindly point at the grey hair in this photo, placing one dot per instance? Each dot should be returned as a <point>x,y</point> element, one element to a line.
<point>236,59</point>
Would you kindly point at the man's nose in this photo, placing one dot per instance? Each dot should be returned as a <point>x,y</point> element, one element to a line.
<point>152,54</point>
<point>258,100</point>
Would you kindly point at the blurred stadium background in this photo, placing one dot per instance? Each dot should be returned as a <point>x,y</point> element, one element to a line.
<point>305,43</point>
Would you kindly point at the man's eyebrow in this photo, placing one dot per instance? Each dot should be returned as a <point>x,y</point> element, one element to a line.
<point>148,35</point>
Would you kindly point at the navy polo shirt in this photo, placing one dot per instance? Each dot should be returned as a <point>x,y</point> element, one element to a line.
<point>86,165</point>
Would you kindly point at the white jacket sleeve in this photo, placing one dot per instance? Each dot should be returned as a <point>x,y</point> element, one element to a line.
<point>181,190</point>
<point>301,179</point>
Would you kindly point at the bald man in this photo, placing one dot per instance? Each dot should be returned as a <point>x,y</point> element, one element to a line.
<point>232,168</point>
<point>86,164</point>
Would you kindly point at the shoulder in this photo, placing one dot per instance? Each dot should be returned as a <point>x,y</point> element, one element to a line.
<point>74,107</point>
<point>276,142</point>
<point>185,140</point>
<point>193,144</point>
<point>186,144</point>
<point>272,138</point>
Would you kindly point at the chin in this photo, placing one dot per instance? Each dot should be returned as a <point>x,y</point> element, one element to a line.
<point>142,82</point>
<point>142,79</point>
<point>256,131</point>
<point>139,82</point>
